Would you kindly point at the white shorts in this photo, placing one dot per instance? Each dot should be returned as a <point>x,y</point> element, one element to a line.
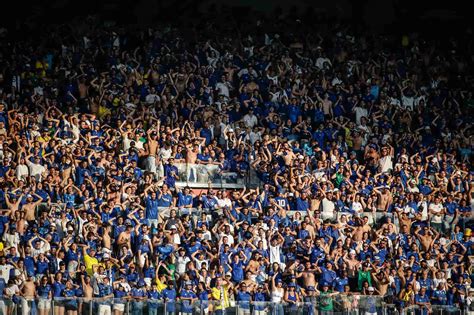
<point>119,307</point>
<point>44,304</point>
<point>242,311</point>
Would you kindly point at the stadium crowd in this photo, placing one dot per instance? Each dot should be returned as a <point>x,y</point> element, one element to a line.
<point>362,145</point>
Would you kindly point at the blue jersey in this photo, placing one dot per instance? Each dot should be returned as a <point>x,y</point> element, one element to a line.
<point>244,299</point>
<point>186,305</point>
<point>43,291</point>
<point>169,295</point>
<point>151,207</point>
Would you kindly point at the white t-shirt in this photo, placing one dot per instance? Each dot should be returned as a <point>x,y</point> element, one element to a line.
<point>181,263</point>
<point>152,98</point>
<point>21,170</point>
<point>11,240</point>
<point>5,272</point>
<point>357,206</point>
<point>230,238</point>
<point>359,113</point>
<point>394,101</point>
<point>436,208</point>
<point>36,170</point>
<point>250,120</point>
<point>408,102</point>
<point>327,207</point>
<point>275,256</point>
<point>386,163</point>
<point>222,89</point>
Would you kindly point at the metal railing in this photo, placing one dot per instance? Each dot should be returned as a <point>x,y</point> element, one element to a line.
<point>326,304</point>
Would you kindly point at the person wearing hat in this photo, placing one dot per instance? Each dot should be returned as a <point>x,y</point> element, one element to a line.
<point>326,300</point>
<point>243,298</point>
<point>277,293</point>
<point>310,299</point>
<point>187,298</point>
<point>169,296</point>
<point>291,297</point>
<point>260,299</point>
<point>138,295</point>
<point>369,303</point>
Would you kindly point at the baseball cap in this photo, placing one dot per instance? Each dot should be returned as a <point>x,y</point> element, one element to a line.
<point>371,289</point>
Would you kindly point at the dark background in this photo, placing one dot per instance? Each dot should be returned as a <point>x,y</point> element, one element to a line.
<point>395,16</point>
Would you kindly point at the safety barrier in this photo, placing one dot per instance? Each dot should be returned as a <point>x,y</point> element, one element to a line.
<point>322,303</point>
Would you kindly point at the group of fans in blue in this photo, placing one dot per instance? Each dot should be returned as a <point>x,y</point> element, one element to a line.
<point>362,147</point>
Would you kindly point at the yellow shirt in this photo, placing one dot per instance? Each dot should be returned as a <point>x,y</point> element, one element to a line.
<point>90,261</point>
<point>103,111</point>
<point>221,302</point>
<point>160,286</point>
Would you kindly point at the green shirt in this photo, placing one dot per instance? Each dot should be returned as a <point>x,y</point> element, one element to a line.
<point>325,301</point>
<point>364,276</point>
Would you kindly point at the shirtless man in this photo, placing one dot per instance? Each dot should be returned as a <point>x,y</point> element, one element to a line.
<point>389,226</point>
<point>21,223</point>
<point>87,287</point>
<point>28,292</point>
<point>309,279</point>
<point>30,207</point>
<point>288,155</point>
<point>426,239</point>
<point>384,199</point>
<point>359,230</point>
<point>382,281</point>
<point>314,203</point>
<point>192,151</point>
<point>253,265</point>
<point>353,266</point>
<point>83,88</point>
<point>251,284</point>
<point>13,204</point>
<point>125,236</point>
<point>310,226</point>
<point>151,149</point>
<point>403,219</point>
<point>106,240</point>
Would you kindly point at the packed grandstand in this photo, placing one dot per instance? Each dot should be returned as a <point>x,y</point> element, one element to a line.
<point>162,170</point>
